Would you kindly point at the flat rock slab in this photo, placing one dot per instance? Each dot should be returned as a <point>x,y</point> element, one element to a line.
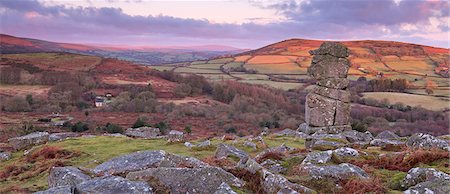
<point>146,159</point>
<point>113,185</point>
<point>187,180</point>
<point>62,136</point>
<point>143,132</point>
<point>32,139</point>
<point>66,176</point>
<point>337,172</point>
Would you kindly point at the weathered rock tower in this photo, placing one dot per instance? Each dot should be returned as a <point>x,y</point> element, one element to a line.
<point>328,103</point>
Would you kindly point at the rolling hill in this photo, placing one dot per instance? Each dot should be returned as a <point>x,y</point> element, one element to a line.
<point>149,55</point>
<point>284,64</point>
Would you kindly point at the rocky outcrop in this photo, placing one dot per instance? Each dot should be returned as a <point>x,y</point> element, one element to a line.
<point>430,187</point>
<point>32,139</point>
<point>58,190</point>
<point>328,103</point>
<point>250,144</point>
<point>175,136</point>
<point>345,153</point>
<point>187,180</point>
<point>62,136</point>
<point>421,140</point>
<point>146,159</point>
<point>143,132</point>
<point>419,175</point>
<point>225,150</point>
<point>272,183</point>
<point>66,176</point>
<point>273,166</point>
<point>113,184</point>
<point>387,143</point>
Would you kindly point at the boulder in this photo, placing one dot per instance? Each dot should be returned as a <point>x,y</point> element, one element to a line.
<point>187,180</point>
<point>387,135</point>
<point>273,166</point>
<point>272,183</point>
<point>5,156</point>
<point>355,136</point>
<point>112,184</point>
<point>335,172</point>
<point>250,144</point>
<point>175,136</point>
<point>430,187</point>
<point>146,159</point>
<point>206,143</point>
<point>421,140</point>
<point>62,136</point>
<point>418,175</point>
<point>249,165</point>
<point>225,150</point>
<point>224,188</point>
<point>384,143</point>
<point>291,133</point>
<point>342,115</point>
<point>319,110</point>
<point>331,48</point>
<point>345,153</point>
<point>335,83</point>
<point>32,139</point>
<point>318,157</point>
<point>188,144</point>
<point>66,176</point>
<point>336,94</point>
<point>58,190</point>
<point>282,149</point>
<point>143,132</point>
<point>131,162</point>
<point>287,191</point>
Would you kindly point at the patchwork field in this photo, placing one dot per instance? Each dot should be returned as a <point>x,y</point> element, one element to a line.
<point>427,102</point>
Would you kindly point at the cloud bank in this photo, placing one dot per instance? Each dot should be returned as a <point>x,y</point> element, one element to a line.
<point>417,21</point>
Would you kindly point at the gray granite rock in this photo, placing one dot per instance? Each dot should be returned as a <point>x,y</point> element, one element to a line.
<point>58,190</point>
<point>273,166</point>
<point>318,157</point>
<point>131,162</point>
<point>66,176</point>
<point>224,188</point>
<point>32,139</point>
<point>5,156</point>
<point>337,172</point>
<point>387,135</point>
<point>272,183</point>
<point>187,180</point>
<point>225,150</point>
<point>113,185</point>
<point>143,132</point>
<point>421,140</point>
<point>430,187</point>
<point>62,136</point>
<point>418,175</point>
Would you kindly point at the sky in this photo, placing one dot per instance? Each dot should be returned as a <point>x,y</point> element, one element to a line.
<point>239,23</point>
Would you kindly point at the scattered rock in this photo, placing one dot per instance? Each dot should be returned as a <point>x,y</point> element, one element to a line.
<point>58,190</point>
<point>250,144</point>
<point>224,188</point>
<point>387,144</point>
<point>143,132</point>
<point>62,136</point>
<point>291,133</point>
<point>225,150</point>
<point>272,183</point>
<point>418,175</point>
<point>249,165</point>
<point>355,136</point>
<point>273,166</point>
<point>113,184</point>
<point>114,135</point>
<point>421,140</point>
<point>175,136</point>
<point>188,144</point>
<point>430,187</point>
<point>337,172</point>
<point>344,153</point>
<point>66,176</point>
<point>323,145</point>
<point>187,180</point>
<point>32,139</point>
<point>387,135</point>
<point>318,157</point>
<point>5,156</point>
<point>131,162</point>
<point>206,143</point>
<point>282,149</point>
<point>287,191</point>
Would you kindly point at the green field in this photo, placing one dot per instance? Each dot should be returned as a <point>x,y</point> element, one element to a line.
<point>427,102</point>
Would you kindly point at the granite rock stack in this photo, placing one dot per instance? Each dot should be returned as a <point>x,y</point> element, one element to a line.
<point>328,103</point>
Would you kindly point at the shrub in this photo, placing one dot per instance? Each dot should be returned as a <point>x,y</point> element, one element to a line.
<point>140,122</point>
<point>230,130</point>
<point>182,90</point>
<point>362,186</point>
<point>80,127</point>
<point>16,104</point>
<point>163,127</point>
<point>113,128</point>
<point>188,129</point>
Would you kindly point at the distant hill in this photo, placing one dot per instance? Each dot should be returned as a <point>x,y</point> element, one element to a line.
<point>149,55</point>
